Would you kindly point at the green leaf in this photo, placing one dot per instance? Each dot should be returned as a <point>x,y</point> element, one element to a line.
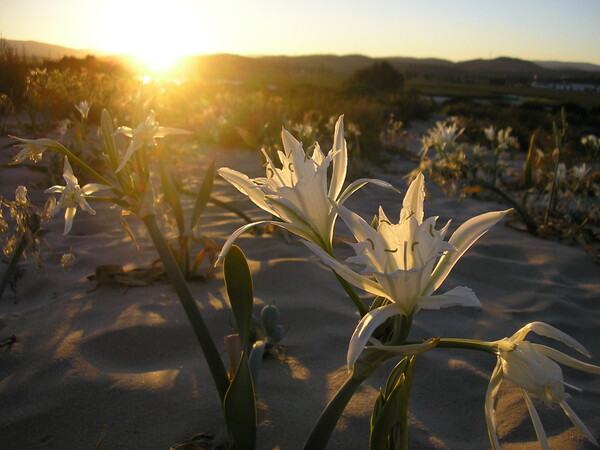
<point>203,194</point>
<point>386,420</point>
<point>172,197</point>
<point>106,125</point>
<point>127,229</point>
<point>238,282</point>
<point>529,164</point>
<point>256,356</point>
<point>240,407</point>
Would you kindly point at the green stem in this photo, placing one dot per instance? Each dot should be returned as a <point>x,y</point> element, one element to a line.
<point>207,344</point>
<point>228,207</point>
<point>469,344</point>
<point>65,151</point>
<point>12,264</point>
<point>529,222</point>
<point>220,203</point>
<point>362,309</point>
<point>331,414</point>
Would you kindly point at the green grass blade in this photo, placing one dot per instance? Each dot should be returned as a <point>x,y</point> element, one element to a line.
<point>203,194</point>
<point>172,198</point>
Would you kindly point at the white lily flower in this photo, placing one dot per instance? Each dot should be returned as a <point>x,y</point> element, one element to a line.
<point>534,369</point>
<point>145,134</point>
<point>84,108</point>
<point>32,148</point>
<point>297,192</point>
<point>443,135</point>
<point>72,195</point>
<point>399,261</point>
<point>490,133</point>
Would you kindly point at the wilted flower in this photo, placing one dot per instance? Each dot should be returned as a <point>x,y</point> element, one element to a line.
<point>399,261</point>
<point>21,195</point>
<point>67,260</point>
<point>533,368</point>
<point>145,134</point>
<point>72,195</point>
<point>32,148</point>
<point>297,193</point>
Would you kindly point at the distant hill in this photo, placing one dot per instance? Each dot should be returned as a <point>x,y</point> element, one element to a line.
<point>49,51</point>
<point>502,65</point>
<point>230,65</point>
<point>558,65</point>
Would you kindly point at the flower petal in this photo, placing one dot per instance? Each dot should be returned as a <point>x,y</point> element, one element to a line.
<point>578,423</point>
<point>356,185</point>
<point>54,189</point>
<point>345,272</point>
<point>459,296</point>
<point>161,132</point>
<point>566,359</point>
<point>490,412</point>
<point>537,423</point>
<point>69,214</point>
<point>462,239</point>
<point>366,327</point>
<point>245,185</point>
<point>340,160</point>
<point>90,188</point>
<point>290,227</point>
<point>126,131</point>
<point>413,200</point>
<point>83,204</point>
<point>68,173</point>
<point>543,329</point>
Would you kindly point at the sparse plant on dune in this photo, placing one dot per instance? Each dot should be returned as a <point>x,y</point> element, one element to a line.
<point>550,198</point>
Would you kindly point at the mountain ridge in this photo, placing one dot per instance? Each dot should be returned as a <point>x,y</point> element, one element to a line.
<point>338,63</point>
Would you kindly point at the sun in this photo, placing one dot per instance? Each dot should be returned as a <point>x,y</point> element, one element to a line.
<point>157,33</point>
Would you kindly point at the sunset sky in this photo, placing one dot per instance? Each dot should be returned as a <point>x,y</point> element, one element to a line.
<point>456,30</point>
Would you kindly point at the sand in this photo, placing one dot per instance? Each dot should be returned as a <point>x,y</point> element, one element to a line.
<point>128,360</point>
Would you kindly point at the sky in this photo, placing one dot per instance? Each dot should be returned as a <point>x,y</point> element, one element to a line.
<point>457,30</point>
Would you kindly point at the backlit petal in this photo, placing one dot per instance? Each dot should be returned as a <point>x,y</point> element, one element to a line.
<point>345,272</point>
<point>340,160</point>
<point>413,200</point>
<point>490,410</point>
<point>578,423</point>
<point>543,329</point>
<point>366,327</point>
<point>462,239</point>
<point>537,423</point>
<point>459,296</point>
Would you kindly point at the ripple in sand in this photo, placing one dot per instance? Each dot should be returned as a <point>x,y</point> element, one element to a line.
<point>141,348</point>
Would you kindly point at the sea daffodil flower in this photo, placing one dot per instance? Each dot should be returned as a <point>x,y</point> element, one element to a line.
<point>84,108</point>
<point>145,133</point>
<point>297,193</point>
<point>31,148</point>
<point>533,367</point>
<point>72,195</point>
<point>405,262</point>
<point>440,137</point>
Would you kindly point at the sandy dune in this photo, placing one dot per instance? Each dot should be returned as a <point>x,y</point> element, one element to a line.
<point>129,360</point>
